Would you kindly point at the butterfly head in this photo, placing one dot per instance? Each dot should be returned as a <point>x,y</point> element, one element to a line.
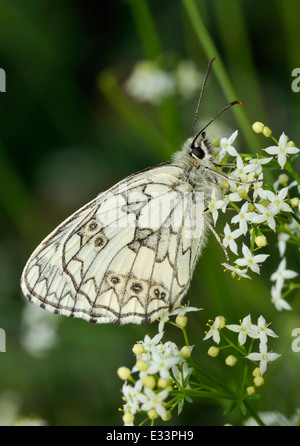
<point>201,148</point>
<point>195,153</point>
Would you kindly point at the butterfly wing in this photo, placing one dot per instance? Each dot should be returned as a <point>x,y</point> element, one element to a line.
<point>125,257</point>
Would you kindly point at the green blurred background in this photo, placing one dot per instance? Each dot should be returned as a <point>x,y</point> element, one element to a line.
<point>69,130</point>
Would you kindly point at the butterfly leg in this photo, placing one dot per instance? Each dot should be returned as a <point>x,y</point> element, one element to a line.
<point>218,240</point>
<point>227,178</point>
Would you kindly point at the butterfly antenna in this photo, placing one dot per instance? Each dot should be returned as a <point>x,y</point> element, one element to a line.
<point>215,117</point>
<point>201,93</point>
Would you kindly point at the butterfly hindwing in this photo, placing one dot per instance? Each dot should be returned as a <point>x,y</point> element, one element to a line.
<point>125,257</point>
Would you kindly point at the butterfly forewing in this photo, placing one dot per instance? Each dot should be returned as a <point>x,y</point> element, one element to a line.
<point>126,256</point>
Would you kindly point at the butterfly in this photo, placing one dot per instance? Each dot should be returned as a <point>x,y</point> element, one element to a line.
<point>129,255</point>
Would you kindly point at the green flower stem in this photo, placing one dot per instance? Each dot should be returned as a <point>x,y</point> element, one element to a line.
<point>290,290</point>
<point>254,414</point>
<point>239,349</point>
<point>214,395</point>
<point>274,139</point>
<point>289,168</point>
<point>210,378</point>
<point>146,28</point>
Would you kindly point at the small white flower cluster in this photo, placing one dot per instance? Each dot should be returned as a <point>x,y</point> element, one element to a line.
<point>258,207</point>
<point>247,329</point>
<point>160,366</point>
<point>150,83</point>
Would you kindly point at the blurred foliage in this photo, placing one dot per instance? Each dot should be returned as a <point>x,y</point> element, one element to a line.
<point>68,130</point>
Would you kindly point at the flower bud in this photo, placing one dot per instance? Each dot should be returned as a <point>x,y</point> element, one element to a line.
<point>294,202</point>
<point>168,416</point>
<point>152,414</point>
<point>291,144</point>
<point>149,381</point>
<point>261,241</point>
<point>256,372</point>
<point>259,381</point>
<point>231,360</point>
<point>181,321</point>
<point>128,418</point>
<point>266,131</point>
<point>250,390</point>
<point>258,127</point>
<point>213,351</point>
<point>123,373</point>
<point>142,365</point>
<point>185,352</point>
<point>283,179</point>
<point>221,321</point>
<point>163,383</point>
<point>138,349</point>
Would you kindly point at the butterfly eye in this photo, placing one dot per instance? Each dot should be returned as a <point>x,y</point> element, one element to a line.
<point>197,152</point>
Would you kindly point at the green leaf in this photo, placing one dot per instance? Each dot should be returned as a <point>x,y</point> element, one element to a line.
<point>230,408</point>
<point>180,405</point>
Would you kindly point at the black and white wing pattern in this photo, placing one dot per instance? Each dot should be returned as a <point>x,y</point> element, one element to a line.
<point>126,256</point>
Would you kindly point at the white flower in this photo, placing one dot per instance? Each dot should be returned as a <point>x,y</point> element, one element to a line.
<point>226,147</point>
<point>282,239</point>
<point>236,271</point>
<point>263,356</point>
<point>257,186</point>
<point>214,330</point>
<point>229,237</point>
<point>183,309</point>
<point>180,311</point>
<point>162,320</point>
<point>131,395</point>
<point>244,329</point>
<point>162,364</point>
<point>263,330</point>
<point>276,200</point>
<point>148,342</point>
<point>258,162</point>
<point>242,218</point>
<point>214,205</point>
<point>266,214</point>
<point>250,260</point>
<point>282,273</point>
<point>278,301</point>
<point>242,170</point>
<point>180,374</point>
<point>282,150</point>
<point>234,196</point>
<point>152,400</point>
<point>148,83</point>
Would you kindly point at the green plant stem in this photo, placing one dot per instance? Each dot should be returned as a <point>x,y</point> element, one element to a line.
<point>254,414</point>
<point>222,76</point>
<point>289,168</point>
<point>146,28</point>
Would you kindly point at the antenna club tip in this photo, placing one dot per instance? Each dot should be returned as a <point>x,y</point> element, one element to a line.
<point>239,102</point>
